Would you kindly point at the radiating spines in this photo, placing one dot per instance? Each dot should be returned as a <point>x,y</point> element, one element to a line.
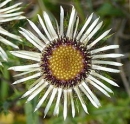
<point>49,25</point>
<point>45,28</point>
<point>103,78</point>
<point>77,91</point>
<point>56,109</point>
<point>88,31</point>
<point>86,87</point>
<point>97,67</point>
<point>3,55</point>
<point>88,96</point>
<point>10,13</point>
<point>32,39</point>
<point>84,27</point>
<point>65,108</point>
<point>44,97</point>
<point>61,21</point>
<point>106,62</point>
<point>112,55</point>
<point>38,83</point>
<point>71,23</point>
<point>98,63</point>
<point>93,32</point>
<point>24,67</point>
<point>76,28</point>
<point>13,36</point>
<point>70,92</point>
<point>50,101</point>
<point>4,3</point>
<point>94,51</point>
<point>100,84</point>
<point>27,55</point>
<point>6,41</point>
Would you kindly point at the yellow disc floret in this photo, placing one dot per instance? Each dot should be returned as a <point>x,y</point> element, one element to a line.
<point>66,62</point>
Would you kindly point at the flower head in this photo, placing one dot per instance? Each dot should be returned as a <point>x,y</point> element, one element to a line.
<point>8,14</point>
<point>67,62</point>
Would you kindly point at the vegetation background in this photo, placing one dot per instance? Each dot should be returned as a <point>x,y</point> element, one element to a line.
<point>114,110</point>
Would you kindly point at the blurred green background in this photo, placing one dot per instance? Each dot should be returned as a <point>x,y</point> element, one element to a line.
<point>115,110</point>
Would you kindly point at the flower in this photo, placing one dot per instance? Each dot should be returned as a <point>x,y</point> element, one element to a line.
<point>67,63</point>
<point>8,14</point>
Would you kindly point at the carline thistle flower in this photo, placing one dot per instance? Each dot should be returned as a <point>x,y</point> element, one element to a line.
<point>67,63</point>
<point>8,14</point>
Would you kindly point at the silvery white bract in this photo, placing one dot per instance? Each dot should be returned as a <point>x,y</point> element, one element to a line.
<point>60,89</point>
<point>8,14</point>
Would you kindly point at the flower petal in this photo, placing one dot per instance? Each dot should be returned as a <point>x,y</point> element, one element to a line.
<point>104,78</point>
<point>72,102</point>
<point>107,56</point>
<point>104,48</point>
<point>65,104</point>
<point>89,97</point>
<point>27,55</point>
<point>6,33</point>
<point>71,23</point>
<point>35,85</point>
<point>50,101</point>
<point>27,78</point>
<point>44,28</point>
<point>76,27</point>
<point>98,39</point>
<point>3,40</point>
<point>37,91</point>
<point>105,69</point>
<point>24,67</point>
<point>98,87</point>
<point>38,32</point>
<point>92,33</point>
<point>91,93</point>
<point>100,84</point>
<point>44,97</point>
<point>56,109</point>
<point>10,15</point>
<point>50,26</point>
<point>12,18</point>
<point>13,10</point>
<point>27,72</point>
<point>3,54</point>
<point>61,21</point>
<point>10,7</point>
<point>4,3</point>
<point>32,39</point>
<point>106,62</point>
<point>81,99</point>
<point>84,26</point>
<point>85,35</point>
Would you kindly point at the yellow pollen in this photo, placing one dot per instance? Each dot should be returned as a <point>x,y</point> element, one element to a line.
<point>66,62</point>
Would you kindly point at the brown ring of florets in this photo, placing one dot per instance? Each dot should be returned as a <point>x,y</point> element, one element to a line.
<point>47,53</point>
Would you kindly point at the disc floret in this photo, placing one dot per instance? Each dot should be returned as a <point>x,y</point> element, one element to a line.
<point>65,62</point>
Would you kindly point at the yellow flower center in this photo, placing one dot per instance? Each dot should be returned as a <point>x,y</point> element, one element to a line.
<point>66,62</point>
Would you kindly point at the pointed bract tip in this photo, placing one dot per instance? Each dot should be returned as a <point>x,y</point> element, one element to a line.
<point>116,85</point>
<point>61,7</point>
<point>35,109</point>
<point>10,68</point>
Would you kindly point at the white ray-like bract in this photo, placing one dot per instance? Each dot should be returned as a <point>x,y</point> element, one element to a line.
<point>9,14</point>
<point>57,91</point>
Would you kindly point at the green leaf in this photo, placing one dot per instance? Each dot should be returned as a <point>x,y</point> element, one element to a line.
<point>109,10</point>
